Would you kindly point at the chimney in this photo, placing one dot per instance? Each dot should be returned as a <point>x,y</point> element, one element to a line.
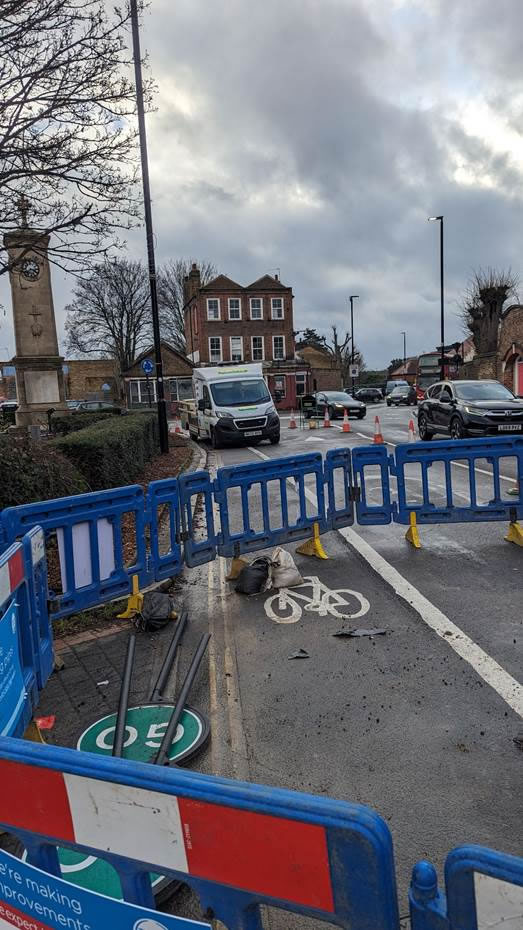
<point>277,277</point>
<point>191,283</point>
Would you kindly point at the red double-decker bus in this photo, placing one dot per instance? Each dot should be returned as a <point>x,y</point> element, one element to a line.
<point>429,368</point>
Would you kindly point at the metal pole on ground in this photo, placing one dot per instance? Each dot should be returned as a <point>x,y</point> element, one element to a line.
<point>164,672</point>
<point>123,701</point>
<point>162,757</point>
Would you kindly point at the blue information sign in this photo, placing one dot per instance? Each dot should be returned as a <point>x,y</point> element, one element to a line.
<point>12,691</point>
<point>147,366</point>
<point>30,898</point>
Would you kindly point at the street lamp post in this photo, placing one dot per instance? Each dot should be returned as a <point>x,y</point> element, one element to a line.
<point>404,334</point>
<point>163,428</point>
<point>352,298</point>
<point>433,219</point>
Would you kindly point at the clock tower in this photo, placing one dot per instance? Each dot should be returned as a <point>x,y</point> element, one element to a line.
<point>39,377</point>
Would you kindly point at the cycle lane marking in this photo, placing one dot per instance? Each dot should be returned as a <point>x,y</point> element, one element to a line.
<point>319,602</point>
<point>510,690</point>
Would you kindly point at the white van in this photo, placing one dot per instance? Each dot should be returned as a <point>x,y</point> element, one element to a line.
<point>232,404</point>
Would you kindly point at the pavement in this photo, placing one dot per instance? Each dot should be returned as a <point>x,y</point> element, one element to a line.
<point>419,723</point>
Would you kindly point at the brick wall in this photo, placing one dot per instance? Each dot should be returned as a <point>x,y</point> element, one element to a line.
<point>510,352</point>
<point>85,379</point>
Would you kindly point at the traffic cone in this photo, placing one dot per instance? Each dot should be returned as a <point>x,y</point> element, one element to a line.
<point>177,425</point>
<point>292,424</point>
<point>412,431</point>
<point>378,438</point>
<point>326,419</point>
<point>346,424</point>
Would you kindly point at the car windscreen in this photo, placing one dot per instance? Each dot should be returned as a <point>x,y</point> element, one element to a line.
<point>483,390</point>
<point>404,389</point>
<point>339,397</point>
<point>240,393</point>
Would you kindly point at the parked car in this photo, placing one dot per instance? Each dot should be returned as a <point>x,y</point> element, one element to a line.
<point>73,404</point>
<point>403,394</point>
<point>336,403</point>
<point>93,406</point>
<point>390,385</point>
<point>368,394</point>
<point>469,408</point>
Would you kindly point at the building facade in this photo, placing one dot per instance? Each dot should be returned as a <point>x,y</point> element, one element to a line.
<point>140,390</point>
<point>227,322</point>
<point>324,373</point>
<point>510,349</point>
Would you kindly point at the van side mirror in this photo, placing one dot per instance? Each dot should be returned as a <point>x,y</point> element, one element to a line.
<point>201,404</point>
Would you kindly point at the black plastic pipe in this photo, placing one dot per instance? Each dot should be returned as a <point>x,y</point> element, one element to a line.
<point>162,755</point>
<point>163,675</point>
<point>123,701</point>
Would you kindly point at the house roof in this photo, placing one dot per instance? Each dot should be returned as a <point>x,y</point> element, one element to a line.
<point>267,283</point>
<point>164,345</point>
<point>222,283</point>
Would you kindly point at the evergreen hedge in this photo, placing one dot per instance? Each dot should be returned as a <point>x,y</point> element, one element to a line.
<point>32,471</point>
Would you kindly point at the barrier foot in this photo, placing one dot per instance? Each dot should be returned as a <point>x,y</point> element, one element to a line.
<point>515,533</point>
<point>313,546</point>
<point>514,492</point>
<point>33,733</point>
<point>134,602</point>
<point>412,535</point>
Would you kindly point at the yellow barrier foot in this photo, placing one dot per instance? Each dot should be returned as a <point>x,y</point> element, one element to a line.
<point>238,563</point>
<point>313,546</point>
<point>514,492</point>
<point>515,533</point>
<point>312,423</point>
<point>33,733</point>
<point>134,602</point>
<point>412,535</point>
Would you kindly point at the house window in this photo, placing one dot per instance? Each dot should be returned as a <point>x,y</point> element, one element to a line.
<point>236,348</point>
<point>213,308</point>
<point>257,348</point>
<point>235,308</point>
<point>279,384</point>
<point>277,308</point>
<point>173,389</point>
<point>142,391</point>
<point>134,393</point>
<point>301,384</point>
<point>185,390</point>
<point>278,347</point>
<point>256,308</point>
<point>215,348</point>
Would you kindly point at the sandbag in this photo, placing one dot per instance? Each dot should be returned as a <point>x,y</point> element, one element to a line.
<point>157,610</point>
<point>284,573</point>
<point>254,578</point>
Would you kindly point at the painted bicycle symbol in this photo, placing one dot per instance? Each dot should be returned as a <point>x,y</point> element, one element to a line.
<point>284,607</point>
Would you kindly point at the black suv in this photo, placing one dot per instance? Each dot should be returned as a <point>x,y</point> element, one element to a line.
<point>469,408</point>
<point>368,393</point>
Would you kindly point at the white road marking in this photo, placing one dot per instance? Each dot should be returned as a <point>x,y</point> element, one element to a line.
<point>484,665</point>
<point>323,601</point>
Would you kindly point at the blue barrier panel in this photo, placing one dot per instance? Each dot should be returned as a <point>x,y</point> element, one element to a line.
<point>18,665</point>
<point>467,451</point>
<point>468,896</point>
<point>199,536</point>
<point>36,574</point>
<point>338,478</point>
<point>278,526</point>
<point>375,485</point>
<point>88,530</point>
<point>237,845</point>
<point>163,501</point>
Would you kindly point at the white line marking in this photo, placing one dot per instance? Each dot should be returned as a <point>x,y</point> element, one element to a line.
<point>484,665</point>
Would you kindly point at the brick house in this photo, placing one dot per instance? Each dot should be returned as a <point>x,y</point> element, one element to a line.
<point>227,322</point>
<point>85,379</point>
<point>324,373</point>
<point>510,349</point>
<point>177,376</point>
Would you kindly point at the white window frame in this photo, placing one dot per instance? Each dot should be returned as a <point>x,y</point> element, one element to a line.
<point>262,359</point>
<point>230,348</point>
<point>214,319</point>
<point>273,317</point>
<point>235,318</point>
<point>279,358</point>
<point>261,308</point>
<point>302,376</point>
<point>282,390</point>
<point>211,359</point>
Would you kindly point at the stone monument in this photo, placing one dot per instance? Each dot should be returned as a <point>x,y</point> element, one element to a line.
<point>39,376</point>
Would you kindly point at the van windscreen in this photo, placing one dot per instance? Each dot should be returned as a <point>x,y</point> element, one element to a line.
<point>240,393</point>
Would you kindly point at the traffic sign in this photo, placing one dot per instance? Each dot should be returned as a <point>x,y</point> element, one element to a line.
<point>354,371</point>
<point>145,727</point>
<point>147,366</point>
<point>106,387</point>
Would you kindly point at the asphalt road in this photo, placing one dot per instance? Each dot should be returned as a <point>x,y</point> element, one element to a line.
<point>419,722</point>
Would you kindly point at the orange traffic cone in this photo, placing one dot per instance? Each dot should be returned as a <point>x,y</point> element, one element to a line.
<point>346,424</point>
<point>412,431</point>
<point>292,424</point>
<point>378,438</point>
<point>177,425</point>
<point>326,419</point>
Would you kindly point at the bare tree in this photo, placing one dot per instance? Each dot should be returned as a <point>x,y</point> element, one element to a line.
<point>481,306</point>
<point>341,351</point>
<point>67,146</point>
<point>171,297</point>
<point>110,314</point>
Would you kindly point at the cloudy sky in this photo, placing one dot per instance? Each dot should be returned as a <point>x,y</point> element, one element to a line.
<point>317,136</point>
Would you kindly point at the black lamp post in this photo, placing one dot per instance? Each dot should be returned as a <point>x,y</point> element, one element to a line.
<point>404,334</point>
<point>433,219</point>
<point>352,298</point>
<point>162,408</point>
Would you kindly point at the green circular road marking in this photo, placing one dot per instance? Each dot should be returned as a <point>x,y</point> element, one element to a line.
<point>145,728</point>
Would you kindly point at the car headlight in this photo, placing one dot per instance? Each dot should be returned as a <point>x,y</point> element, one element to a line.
<point>224,413</point>
<point>270,409</point>
<point>478,411</point>
<point>340,406</point>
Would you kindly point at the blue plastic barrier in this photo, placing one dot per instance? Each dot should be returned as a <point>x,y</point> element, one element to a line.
<point>377,457</point>
<point>430,909</point>
<point>270,533</point>
<point>338,464</point>
<point>426,454</point>
<point>237,845</point>
<point>23,669</point>
<point>88,529</point>
<point>199,536</point>
<point>166,560</point>
<point>36,574</point>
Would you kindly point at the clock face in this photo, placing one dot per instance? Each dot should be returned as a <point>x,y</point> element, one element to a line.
<point>30,269</point>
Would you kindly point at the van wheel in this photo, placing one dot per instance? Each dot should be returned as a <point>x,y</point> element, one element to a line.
<point>215,442</point>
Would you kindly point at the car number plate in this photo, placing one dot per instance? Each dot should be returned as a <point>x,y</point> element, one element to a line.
<point>253,432</point>
<point>509,428</point>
